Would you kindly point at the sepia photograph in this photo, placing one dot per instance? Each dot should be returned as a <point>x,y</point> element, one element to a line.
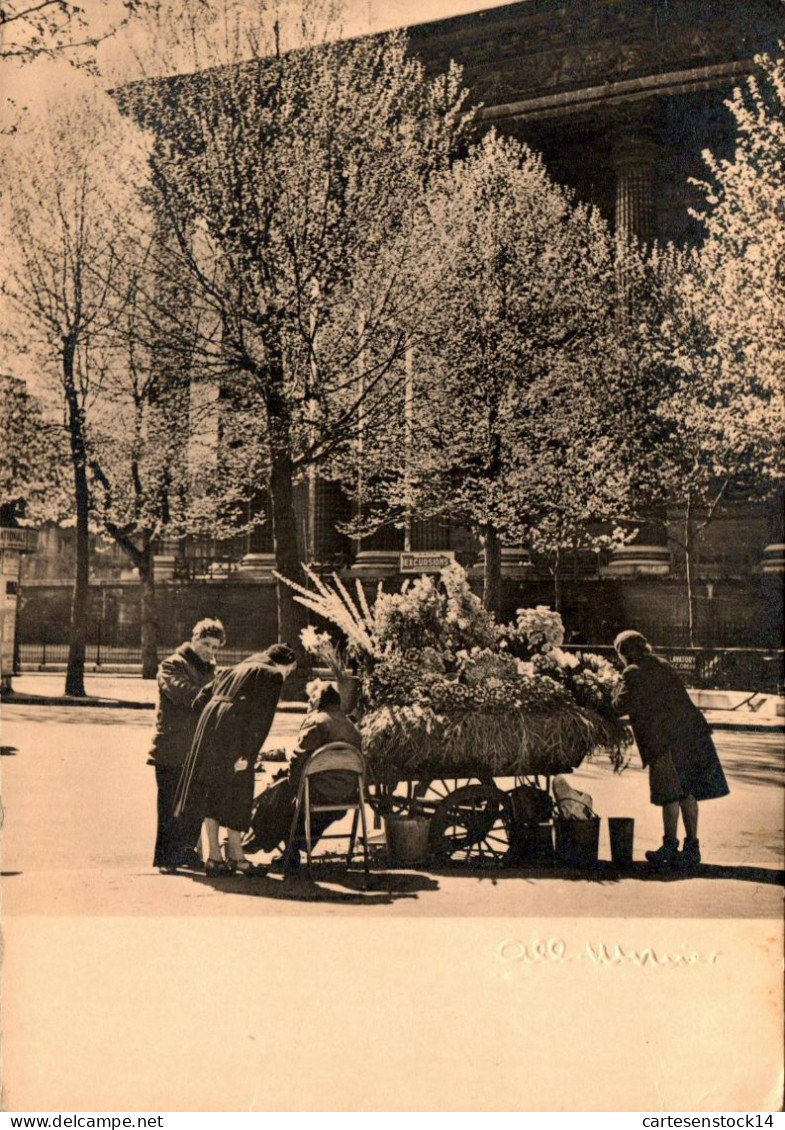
<point>392,547</point>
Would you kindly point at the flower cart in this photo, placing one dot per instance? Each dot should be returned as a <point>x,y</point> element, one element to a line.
<point>464,721</point>
<point>480,773</point>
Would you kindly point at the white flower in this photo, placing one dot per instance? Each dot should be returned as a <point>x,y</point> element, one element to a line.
<point>564,658</point>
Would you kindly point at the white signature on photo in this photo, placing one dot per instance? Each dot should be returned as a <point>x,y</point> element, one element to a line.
<point>554,950</point>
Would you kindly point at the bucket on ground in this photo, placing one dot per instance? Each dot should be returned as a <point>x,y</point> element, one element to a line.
<point>578,842</point>
<point>407,839</point>
<point>532,844</point>
<point>622,829</point>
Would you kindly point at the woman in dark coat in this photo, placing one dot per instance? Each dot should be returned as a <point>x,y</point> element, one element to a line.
<point>674,741</point>
<point>218,775</point>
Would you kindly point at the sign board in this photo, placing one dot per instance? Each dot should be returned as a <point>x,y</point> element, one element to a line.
<point>426,561</point>
<point>21,539</point>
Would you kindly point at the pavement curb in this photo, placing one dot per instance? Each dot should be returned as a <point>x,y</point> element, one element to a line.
<point>15,698</point>
<point>20,699</point>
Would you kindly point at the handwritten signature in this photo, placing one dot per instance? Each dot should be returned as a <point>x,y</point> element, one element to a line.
<point>552,951</point>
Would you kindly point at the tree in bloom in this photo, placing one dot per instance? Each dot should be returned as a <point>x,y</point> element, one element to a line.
<point>290,182</point>
<point>707,339</point>
<point>34,451</point>
<point>508,399</point>
<point>67,278</point>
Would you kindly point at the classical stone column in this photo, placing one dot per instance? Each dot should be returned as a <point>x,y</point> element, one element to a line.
<point>634,161</point>
<point>258,561</point>
<point>327,506</point>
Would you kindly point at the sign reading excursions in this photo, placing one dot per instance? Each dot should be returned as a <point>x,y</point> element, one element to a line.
<point>426,561</point>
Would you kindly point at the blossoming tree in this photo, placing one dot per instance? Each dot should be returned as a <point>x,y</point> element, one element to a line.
<point>291,180</point>
<point>508,401</point>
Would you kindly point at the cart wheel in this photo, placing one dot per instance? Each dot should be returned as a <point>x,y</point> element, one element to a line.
<point>472,825</point>
<point>422,798</point>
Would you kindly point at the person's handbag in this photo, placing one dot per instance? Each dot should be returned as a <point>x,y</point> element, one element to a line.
<point>270,818</point>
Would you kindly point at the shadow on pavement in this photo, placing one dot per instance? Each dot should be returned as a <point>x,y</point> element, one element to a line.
<point>605,872</point>
<point>383,888</point>
<point>8,750</point>
<point>87,714</point>
<point>754,772</point>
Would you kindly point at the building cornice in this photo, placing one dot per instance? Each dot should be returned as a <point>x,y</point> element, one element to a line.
<point>612,94</point>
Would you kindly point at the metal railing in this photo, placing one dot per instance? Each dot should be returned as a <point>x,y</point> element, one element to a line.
<point>722,668</point>
<point>42,655</point>
<point>752,669</point>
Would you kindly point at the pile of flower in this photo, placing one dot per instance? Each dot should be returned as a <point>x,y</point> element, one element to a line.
<point>535,630</point>
<point>442,679</point>
<point>438,613</point>
<point>592,681</point>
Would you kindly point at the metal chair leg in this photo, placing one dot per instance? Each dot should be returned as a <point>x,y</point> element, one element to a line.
<point>308,827</point>
<point>287,855</point>
<point>365,830</point>
<point>353,837</point>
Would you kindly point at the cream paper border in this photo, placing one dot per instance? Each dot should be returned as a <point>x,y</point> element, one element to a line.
<point>314,1014</point>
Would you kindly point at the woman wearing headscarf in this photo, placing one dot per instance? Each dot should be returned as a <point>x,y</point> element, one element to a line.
<point>217,781</point>
<point>674,741</point>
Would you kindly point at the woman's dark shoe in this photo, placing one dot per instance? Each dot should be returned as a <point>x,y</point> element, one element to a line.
<point>691,853</point>
<point>191,861</point>
<point>217,869</point>
<point>245,867</point>
<point>665,856</point>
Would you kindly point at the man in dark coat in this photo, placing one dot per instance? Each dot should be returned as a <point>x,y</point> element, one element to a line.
<point>674,741</point>
<point>217,781</point>
<point>181,676</point>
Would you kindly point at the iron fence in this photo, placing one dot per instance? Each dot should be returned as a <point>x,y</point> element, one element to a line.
<point>42,655</point>
<point>752,669</point>
<point>720,668</point>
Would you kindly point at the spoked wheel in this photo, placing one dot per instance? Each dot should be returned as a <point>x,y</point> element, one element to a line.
<point>472,825</point>
<point>423,798</point>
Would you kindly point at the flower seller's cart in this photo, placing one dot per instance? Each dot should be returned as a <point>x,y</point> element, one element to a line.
<point>464,721</point>
<point>477,775</point>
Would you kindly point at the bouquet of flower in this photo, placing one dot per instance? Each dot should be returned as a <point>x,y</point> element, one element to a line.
<point>440,613</point>
<point>322,647</point>
<point>591,680</point>
<point>481,664</point>
<point>535,630</point>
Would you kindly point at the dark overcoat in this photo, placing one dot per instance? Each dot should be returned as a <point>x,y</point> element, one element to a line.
<point>668,725</point>
<point>239,708</point>
<point>181,676</point>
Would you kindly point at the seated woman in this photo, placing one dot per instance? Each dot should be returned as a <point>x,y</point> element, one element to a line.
<point>325,722</point>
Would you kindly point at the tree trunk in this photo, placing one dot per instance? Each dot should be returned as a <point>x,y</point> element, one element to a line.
<point>149,614</point>
<point>492,576</point>
<point>291,615</point>
<point>557,582</point>
<point>74,678</point>
<point>689,550</point>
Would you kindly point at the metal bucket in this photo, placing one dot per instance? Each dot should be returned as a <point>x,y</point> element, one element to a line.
<point>622,830</point>
<point>407,839</point>
<point>531,845</point>
<point>578,842</point>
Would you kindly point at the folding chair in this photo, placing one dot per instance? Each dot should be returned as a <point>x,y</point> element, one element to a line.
<point>330,758</point>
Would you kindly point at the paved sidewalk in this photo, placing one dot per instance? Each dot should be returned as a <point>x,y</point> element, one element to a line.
<point>129,692</point>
